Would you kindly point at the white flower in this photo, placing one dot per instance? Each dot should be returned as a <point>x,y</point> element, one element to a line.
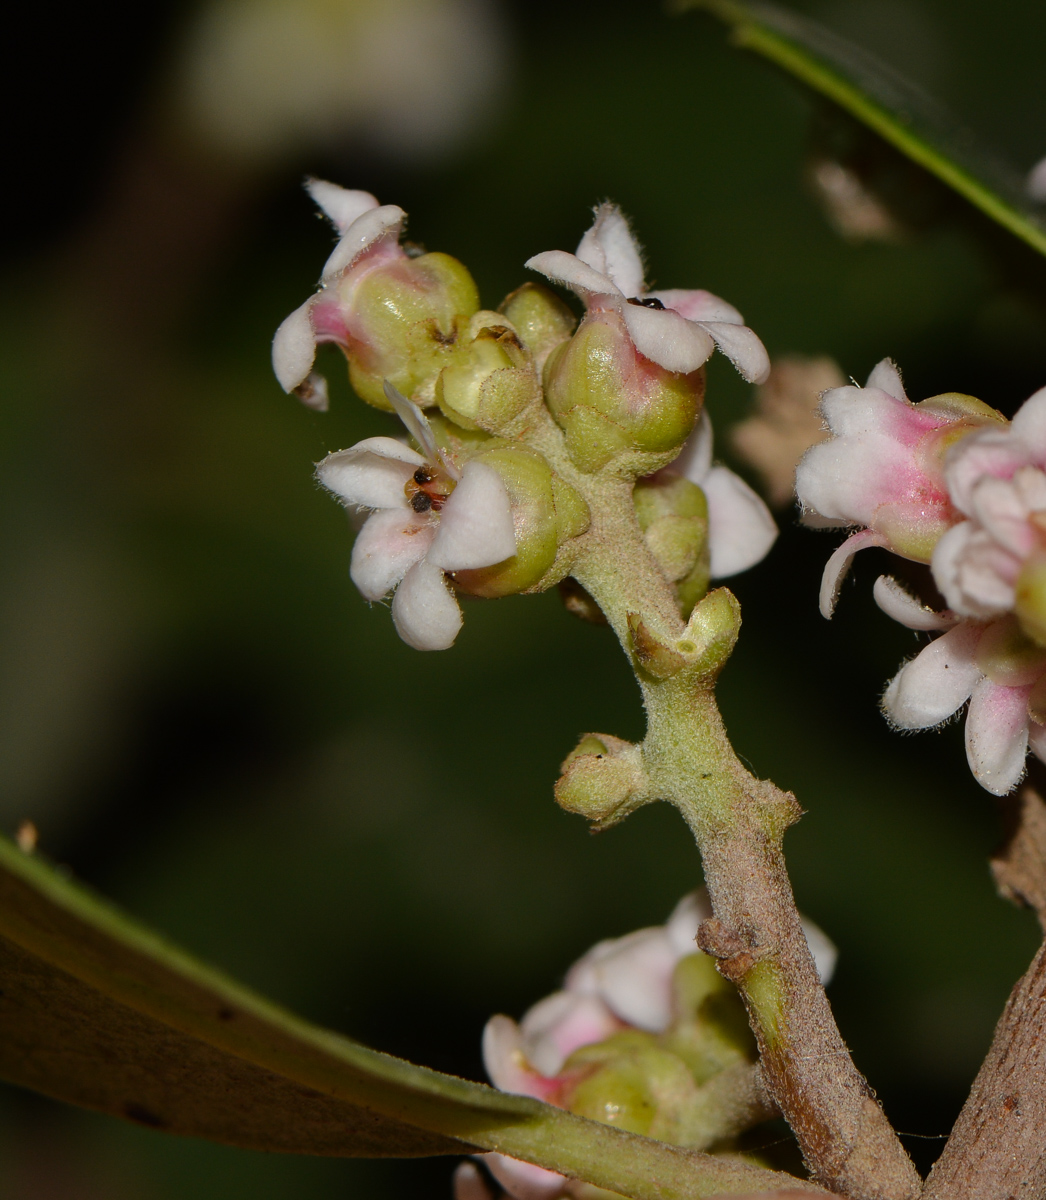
<point>428,518</point>
<point>740,527</point>
<point>677,329</point>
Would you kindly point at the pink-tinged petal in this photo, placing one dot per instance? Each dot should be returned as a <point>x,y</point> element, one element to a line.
<point>848,478</point>
<point>569,270</point>
<point>424,610</point>
<point>975,574</point>
<point>937,682</point>
<point>469,1184</point>
<point>987,452</point>
<point>742,346</point>
<point>1000,506</point>
<point>388,546</point>
<point>681,927</point>
<point>417,425</point>
<point>997,735</point>
<point>698,305</point>
<point>1029,423</point>
<point>853,410</point>
<point>668,339</point>
<point>341,205</point>
<point>740,527</point>
<point>609,248</point>
<point>822,949</point>
<point>632,975</point>
<point>838,566</point>
<point>476,528</point>
<point>294,348</point>
<point>560,1024</point>
<point>368,228</point>
<point>694,461</point>
<point>897,602</point>
<point>506,1065</point>
<point>371,474</point>
<point>1037,740</point>
<point>886,376</point>
<point>524,1181</point>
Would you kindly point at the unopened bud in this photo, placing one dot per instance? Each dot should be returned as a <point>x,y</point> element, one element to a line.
<point>610,400</point>
<point>673,514</point>
<point>540,318</point>
<point>603,779</point>
<point>490,380</point>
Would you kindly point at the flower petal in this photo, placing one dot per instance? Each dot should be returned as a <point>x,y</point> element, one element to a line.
<point>987,452</point>
<point>294,348</point>
<point>740,527</point>
<point>886,376</point>
<point>743,347</point>
<point>609,248</point>
<point>389,545</point>
<point>341,205</point>
<point>371,474</point>
<point>417,425</point>
<point>668,339</point>
<point>698,305</point>
<point>937,682</point>
<point>1002,507</point>
<point>569,270</point>
<point>1029,423</point>
<point>822,949</point>
<point>368,228</point>
<point>896,601</point>
<point>506,1064</point>
<point>838,566</point>
<point>632,975</point>
<point>424,610</point>
<point>523,1180</point>
<point>476,527</point>
<point>560,1024</point>
<point>694,461</point>
<point>974,573</point>
<point>997,735</point>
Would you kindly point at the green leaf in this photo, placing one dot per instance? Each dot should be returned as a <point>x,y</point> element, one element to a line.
<point>886,102</point>
<point>98,1011</point>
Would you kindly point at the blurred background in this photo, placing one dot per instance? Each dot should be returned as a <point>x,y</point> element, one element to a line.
<point>199,713</point>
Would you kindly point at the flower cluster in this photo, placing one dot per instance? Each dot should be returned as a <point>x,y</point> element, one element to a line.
<point>642,1032</point>
<point>951,483</point>
<point>510,412</point>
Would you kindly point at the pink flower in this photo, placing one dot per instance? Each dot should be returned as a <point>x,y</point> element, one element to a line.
<point>427,518</point>
<point>992,665</point>
<point>677,329</point>
<point>884,470</point>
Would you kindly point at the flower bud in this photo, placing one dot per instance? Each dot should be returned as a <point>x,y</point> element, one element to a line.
<point>673,514</point>
<point>711,1030</point>
<point>610,400</point>
<point>402,319</point>
<point>547,513</point>
<point>490,380</point>
<point>603,779</point>
<point>540,318</point>
<point>1030,592</point>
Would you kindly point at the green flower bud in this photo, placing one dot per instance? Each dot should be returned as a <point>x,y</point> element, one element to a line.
<point>602,779</point>
<point>540,318</point>
<point>611,401</point>
<point>403,319</point>
<point>490,380</point>
<point>1005,653</point>
<point>548,513</point>
<point>711,1031</point>
<point>673,514</point>
<point>1030,604</point>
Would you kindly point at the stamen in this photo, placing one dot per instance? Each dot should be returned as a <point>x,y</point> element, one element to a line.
<point>647,302</point>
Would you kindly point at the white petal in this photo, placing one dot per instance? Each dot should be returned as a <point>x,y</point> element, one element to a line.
<point>698,305</point>
<point>937,682</point>
<point>294,348</point>
<point>609,248</point>
<point>740,527</point>
<point>503,1056</point>
<point>568,269</point>
<point>1029,422</point>
<point>371,474</point>
<point>666,338</point>
<point>822,948</point>
<point>694,461</point>
<point>742,346</point>
<point>632,975</point>
<point>367,229</point>
<point>989,451</point>
<point>997,735</point>
<point>682,925</point>
<point>468,1183</point>
<point>974,573</point>
<point>523,1180</point>
<point>417,425</point>
<point>560,1024</point>
<point>1001,507</point>
<point>424,610</point>
<point>886,376</point>
<point>847,478</point>
<point>390,543</point>
<point>342,205</point>
<point>838,566</point>
<point>896,601</point>
<point>312,392</point>
<point>476,527</point>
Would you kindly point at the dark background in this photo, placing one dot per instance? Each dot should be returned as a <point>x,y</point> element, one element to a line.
<point>206,722</point>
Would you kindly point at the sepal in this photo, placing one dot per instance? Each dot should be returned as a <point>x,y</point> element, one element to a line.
<point>704,646</point>
<point>673,514</point>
